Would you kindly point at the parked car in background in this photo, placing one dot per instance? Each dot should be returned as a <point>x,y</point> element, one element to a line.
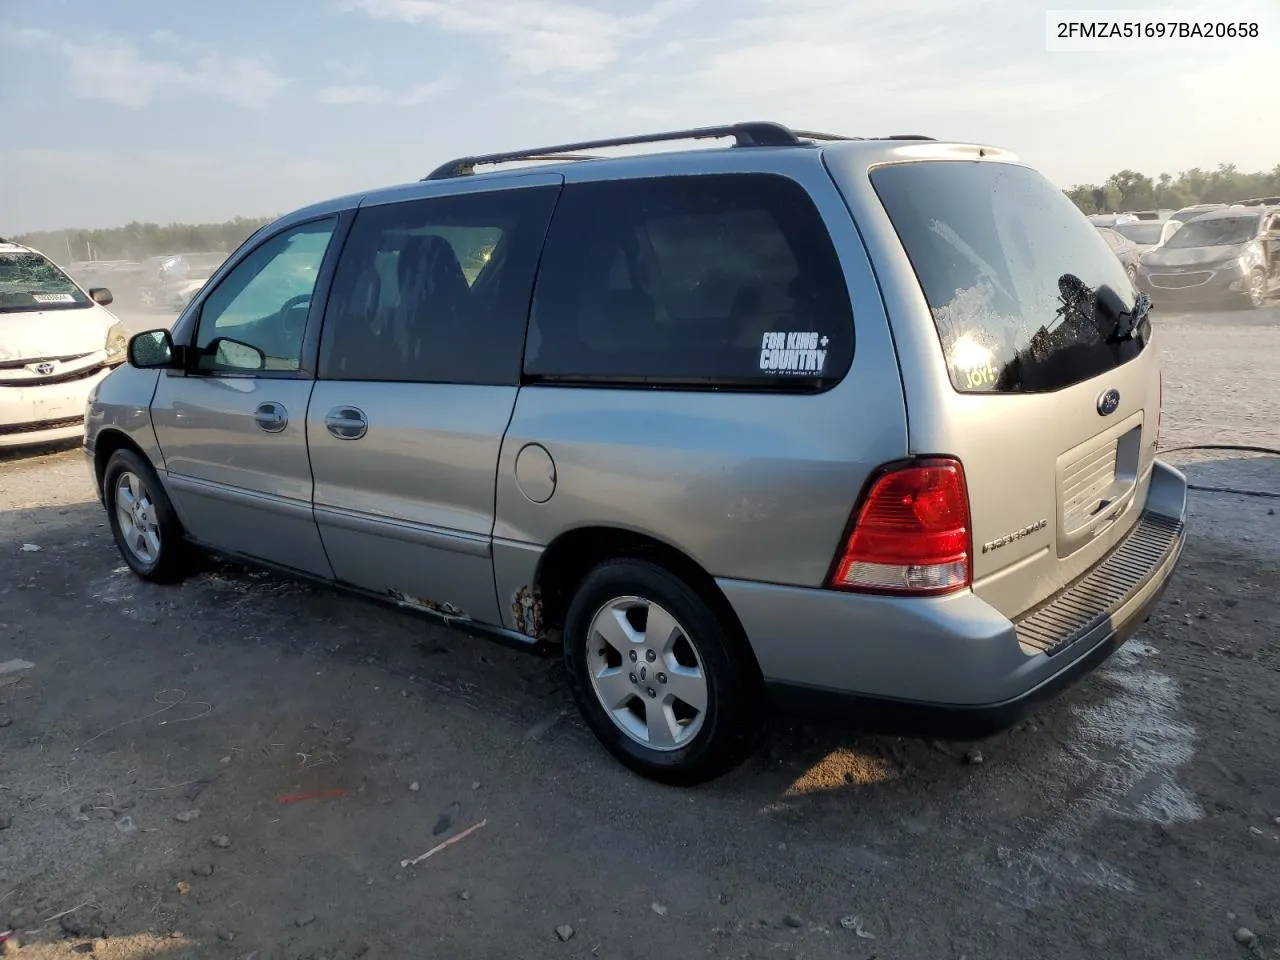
<point>1151,214</point>
<point>1148,234</point>
<point>1260,202</point>
<point>176,296</point>
<point>1226,256</point>
<point>662,423</point>
<point>1126,251</point>
<point>1193,211</point>
<point>57,342</point>
<point>1111,219</point>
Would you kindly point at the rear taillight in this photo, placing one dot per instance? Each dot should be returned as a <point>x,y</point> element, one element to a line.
<point>911,534</point>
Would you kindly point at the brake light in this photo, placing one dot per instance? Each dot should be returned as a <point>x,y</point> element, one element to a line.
<point>911,535</point>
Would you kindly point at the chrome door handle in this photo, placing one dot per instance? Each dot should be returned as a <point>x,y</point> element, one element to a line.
<point>347,423</point>
<point>271,417</point>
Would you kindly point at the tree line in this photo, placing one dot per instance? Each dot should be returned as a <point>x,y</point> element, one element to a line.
<point>137,241</point>
<point>1126,190</point>
<point>1130,190</point>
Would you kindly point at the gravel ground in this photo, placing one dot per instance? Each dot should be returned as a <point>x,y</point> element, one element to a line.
<point>152,752</point>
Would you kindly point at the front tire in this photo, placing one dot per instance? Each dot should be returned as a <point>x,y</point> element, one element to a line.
<point>143,522</point>
<point>658,675</point>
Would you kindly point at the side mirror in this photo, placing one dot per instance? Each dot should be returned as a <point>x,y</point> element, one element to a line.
<point>224,353</point>
<point>100,295</point>
<point>152,350</point>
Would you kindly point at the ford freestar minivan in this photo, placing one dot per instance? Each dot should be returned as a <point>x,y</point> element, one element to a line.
<point>860,428</point>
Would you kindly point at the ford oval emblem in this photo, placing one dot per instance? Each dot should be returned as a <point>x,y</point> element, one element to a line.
<point>1109,402</point>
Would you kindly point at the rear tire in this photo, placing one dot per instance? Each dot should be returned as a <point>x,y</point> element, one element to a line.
<point>688,708</point>
<point>143,521</point>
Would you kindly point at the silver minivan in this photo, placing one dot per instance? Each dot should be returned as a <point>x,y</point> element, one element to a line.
<point>860,429</point>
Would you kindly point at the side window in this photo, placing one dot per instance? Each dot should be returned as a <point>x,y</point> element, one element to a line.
<point>263,302</point>
<point>724,280</point>
<point>436,290</point>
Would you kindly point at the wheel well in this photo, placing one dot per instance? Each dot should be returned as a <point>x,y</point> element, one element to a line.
<point>571,556</point>
<point>107,443</point>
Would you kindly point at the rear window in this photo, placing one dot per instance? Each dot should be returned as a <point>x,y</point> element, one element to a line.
<point>720,281</point>
<point>1023,290</point>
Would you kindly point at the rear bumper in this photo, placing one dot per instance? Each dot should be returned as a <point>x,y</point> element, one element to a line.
<point>953,667</point>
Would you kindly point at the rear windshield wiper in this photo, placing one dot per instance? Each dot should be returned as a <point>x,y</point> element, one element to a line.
<point>1128,323</point>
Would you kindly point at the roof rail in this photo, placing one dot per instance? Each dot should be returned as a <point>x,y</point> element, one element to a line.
<point>909,136</point>
<point>753,134</point>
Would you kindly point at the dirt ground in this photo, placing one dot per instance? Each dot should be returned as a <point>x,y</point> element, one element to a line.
<point>153,742</point>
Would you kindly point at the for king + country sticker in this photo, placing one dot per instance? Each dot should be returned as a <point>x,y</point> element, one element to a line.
<point>793,352</point>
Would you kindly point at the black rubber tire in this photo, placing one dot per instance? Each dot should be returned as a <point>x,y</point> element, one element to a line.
<point>735,703</point>
<point>173,561</point>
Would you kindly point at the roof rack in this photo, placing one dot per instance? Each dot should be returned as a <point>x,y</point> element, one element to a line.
<point>758,133</point>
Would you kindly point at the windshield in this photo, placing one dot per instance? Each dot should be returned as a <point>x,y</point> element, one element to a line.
<point>1215,232</point>
<point>1148,233</point>
<point>29,281</point>
<point>1025,296</point>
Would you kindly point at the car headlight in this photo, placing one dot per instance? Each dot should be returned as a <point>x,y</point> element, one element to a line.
<point>117,345</point>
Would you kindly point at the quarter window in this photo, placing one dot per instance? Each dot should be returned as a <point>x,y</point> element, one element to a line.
<point>264,301</point>
<point>436,290</point>
<point>713,281</point>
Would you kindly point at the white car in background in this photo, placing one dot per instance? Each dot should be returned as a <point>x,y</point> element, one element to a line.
<point>176,296</point>
<point>1148,234</point>
<point>57,341</point>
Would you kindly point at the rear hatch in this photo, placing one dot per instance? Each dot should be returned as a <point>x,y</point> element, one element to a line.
<point>1013,362</point>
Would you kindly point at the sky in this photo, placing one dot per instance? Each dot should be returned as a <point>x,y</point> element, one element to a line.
<point>191,111</point>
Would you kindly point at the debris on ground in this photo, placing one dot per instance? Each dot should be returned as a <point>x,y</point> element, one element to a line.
<point>447,843</point>
<point>305,920</point>
<point>973,757</point>
<point>791,920</point>
<point>659,909</point>
<point>31,548</point>
<point>6,721</point>
<point>6,821</point>
<point>464,895</point>
<point>220,840</point>
<point>188,816</point>
<point>415,786</point>
<point>564,932</point>
<point>446,818</point>
<point>13,666</point>
<point>1245,937</point>
<point>126,825</point>
<point>183,888</point>
<point>855,924</point>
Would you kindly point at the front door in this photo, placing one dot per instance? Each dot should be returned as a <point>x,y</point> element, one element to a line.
<point>419,369</point>
<point>232,426</point>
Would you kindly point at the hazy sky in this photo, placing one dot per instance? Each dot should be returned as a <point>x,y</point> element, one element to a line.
<point>176,110</point>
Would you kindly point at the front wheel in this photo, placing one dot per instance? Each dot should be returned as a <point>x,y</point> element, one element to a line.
<point>142,519</point>
<point>658,676</point>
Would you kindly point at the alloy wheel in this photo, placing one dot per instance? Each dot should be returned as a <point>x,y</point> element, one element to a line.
<point>136,514</point>
<point>646,673</point>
